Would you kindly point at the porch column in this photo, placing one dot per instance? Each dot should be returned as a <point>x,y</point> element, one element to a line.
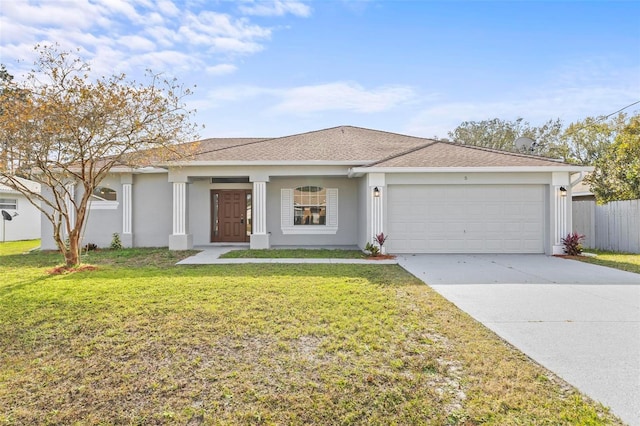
<point>179,239</point>
<point>259,236</point>
<point>127,211</point>
<point>562,214</point>
<point>377,194</point>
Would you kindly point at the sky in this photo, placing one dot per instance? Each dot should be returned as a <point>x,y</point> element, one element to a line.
<point>277,67</point>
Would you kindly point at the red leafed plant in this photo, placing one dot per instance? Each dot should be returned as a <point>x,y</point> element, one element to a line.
<point>573,244</point>
<point>380,239</point>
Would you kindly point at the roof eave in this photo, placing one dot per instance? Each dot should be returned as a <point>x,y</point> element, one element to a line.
<point>359,171</point>
<point>356,163</point>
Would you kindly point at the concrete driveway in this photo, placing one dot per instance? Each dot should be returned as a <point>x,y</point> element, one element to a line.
<point>580,321</point>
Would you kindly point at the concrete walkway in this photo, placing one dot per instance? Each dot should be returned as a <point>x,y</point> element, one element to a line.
<point>580,321</point>
<point>210,255</point>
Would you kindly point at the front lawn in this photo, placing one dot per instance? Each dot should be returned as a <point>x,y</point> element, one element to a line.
<point>625,261</point>
<point>140,341</point>
<point>18,247</point>
<point>295,253</point>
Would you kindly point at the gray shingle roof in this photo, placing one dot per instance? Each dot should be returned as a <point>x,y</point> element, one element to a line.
<point>448,154</point>
<point>344,143</point>
<point>361,147</point>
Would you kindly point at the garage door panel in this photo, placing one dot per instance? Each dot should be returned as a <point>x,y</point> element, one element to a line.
<point>466,218</point>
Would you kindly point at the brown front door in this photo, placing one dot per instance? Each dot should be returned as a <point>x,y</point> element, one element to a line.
<point>229,211</point>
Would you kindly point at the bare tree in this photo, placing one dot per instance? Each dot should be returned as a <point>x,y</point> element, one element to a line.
<point>66,128</point>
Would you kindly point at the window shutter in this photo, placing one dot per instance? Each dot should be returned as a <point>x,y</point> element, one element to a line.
<point>332,207</point>
<point>286,207</point>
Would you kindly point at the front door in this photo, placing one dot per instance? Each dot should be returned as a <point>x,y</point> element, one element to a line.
<point>230,215</point>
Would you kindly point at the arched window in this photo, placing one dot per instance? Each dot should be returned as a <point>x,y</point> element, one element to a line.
<point>102,193</point>
<point>310,210</point>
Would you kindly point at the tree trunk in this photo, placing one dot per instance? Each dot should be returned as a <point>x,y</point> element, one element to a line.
<point>71,256</point>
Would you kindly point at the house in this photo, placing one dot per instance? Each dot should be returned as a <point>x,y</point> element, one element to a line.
<point>582,192</point>
<point>339,186</point>
<point>25,217</point>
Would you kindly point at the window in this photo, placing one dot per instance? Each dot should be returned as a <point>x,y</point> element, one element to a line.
<point>104,198</point>
<point>309,205</point>
<point>103,193</point>
<point>8,203</point>
<point>309,210</point>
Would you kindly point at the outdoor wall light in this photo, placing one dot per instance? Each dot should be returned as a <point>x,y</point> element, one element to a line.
<point>563,191</point>
<point>376,192</point>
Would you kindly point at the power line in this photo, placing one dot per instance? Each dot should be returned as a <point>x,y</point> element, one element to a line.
<point>600,118</point>
<point>620,110</point>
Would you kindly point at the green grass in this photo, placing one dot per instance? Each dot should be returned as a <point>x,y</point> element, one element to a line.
<point>18,247</point>
<point>625,261</point>
<point>295,253</point>
<point>140,341</point>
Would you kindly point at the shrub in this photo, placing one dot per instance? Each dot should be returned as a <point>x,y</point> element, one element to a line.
<point>116,244</point>
<point>373,250</point>
<point>573,244</point>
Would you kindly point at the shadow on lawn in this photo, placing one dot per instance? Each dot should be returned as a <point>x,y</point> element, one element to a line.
<point>160,263</point>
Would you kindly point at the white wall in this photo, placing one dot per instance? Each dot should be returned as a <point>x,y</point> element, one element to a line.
<point>24,226</point>
<point>101,224</point>
<point>200,207</point>
<point>152,200</point>
<point>348,220</point>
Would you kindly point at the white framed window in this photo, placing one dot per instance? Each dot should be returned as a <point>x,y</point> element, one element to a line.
<point>9,203</point>
<point>309,210</point>
<point>104,198</point>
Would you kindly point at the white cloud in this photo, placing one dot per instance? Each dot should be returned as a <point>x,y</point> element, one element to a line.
<point>74,13</point>
<point>130,27</point>
<point>221,69</point>
<point>276,8</point>
<point>162,60</point>
<point>168,8</point>
<point>337,96</point>
<point>137,43</point>
<point>344,96</point>
<point>215,24</point>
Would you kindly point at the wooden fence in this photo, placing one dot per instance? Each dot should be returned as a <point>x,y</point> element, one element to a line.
<point>614,226</point>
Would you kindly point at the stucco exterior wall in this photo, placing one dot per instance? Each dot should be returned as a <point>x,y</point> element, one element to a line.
<point>101,224</point>
<point>24,226</point>
<point>348,219</point>
<point>152,200</point>
<point>200,207</point>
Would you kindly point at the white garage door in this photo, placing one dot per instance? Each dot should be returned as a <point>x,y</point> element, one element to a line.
<point>466,218</point>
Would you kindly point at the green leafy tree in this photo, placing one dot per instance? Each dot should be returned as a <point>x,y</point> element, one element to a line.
<point>585,141</point>
<point>501,134</point>
<point>69,129</point>
<point>617,170</point>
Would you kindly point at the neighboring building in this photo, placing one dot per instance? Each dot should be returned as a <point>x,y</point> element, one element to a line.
<point>25,223</point>
<point>582,192</point>
<point>339,186</point>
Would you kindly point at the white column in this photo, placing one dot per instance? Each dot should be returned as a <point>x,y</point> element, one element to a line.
<point>259,209</point>
<point>180,239</point>
<point>126,208</point>
<point>561,216</point>
<point>259,236</point>
<point>376,211</point>
<point>179,208</point>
